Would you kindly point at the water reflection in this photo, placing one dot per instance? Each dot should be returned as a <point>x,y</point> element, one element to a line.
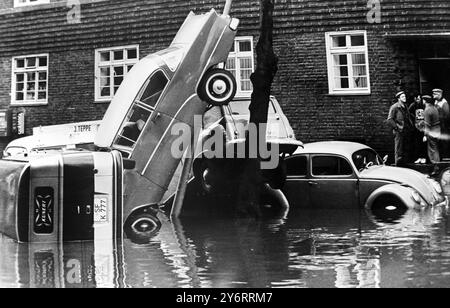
<point>308,249</point>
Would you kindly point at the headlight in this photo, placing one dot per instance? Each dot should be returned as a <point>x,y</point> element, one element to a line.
<point>436,186</point>
<point>415,196</point>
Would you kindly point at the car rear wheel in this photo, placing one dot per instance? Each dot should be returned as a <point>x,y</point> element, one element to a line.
<point>388,208</point>
<point>218,87</point>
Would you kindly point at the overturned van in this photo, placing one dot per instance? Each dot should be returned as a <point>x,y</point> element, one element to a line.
<point>88,195</point>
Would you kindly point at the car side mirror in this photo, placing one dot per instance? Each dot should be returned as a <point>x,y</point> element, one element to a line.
<point>385,159</point>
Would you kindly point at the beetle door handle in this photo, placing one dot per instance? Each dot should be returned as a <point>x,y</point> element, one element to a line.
<point>313,183</point>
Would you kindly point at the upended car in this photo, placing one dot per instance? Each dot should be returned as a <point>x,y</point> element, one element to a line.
<point>338,175</point>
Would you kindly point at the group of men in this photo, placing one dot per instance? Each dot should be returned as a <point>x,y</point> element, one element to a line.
<point>420,129</point>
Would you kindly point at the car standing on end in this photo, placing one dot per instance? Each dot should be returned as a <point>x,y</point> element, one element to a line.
<point>352,175</point>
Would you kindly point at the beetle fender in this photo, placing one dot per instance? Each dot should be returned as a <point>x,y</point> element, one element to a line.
<point>403,193</point>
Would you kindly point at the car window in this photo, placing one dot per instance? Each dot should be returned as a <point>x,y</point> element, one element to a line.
<point>330,166</point>
<point>141,111</point>
<point>365,157</point>
<point>296,166</point>
<point>241,108</point>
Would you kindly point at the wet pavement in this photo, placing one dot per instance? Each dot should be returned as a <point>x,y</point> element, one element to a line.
<point>323,248</point>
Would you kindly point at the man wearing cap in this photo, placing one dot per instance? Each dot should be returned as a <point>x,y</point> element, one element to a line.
<point>432,129</point>
<point>444,114</point>
<point>400,122</point>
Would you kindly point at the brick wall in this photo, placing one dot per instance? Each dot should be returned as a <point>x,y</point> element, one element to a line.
<point>301,84</point>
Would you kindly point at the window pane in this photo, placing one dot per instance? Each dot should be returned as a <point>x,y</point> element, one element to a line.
<point>245,46</point>
<point>20,86</point>
<point>246,86</point>
<point>233,48</point>
<point>105,56</point>
<point>340,59</point>
<point>105,91</point>
<point>31,76</point>
<point>132,128</point>
<point>19,96</point>
<point>115,89</point>
<point>118,55</point>
<point>42,76</point>
<point>132,53</point>
<point>358,58</point>
<point>31,62</point>
<point>296,166</point>
<point>359,70</point>
<point>104,71</point>
<point>153,89</point>
<point>117,81</point>
<point>31,95</point>
<point>342,83</point>
<point>31,86</point>
<point>42,86</point>
<point>339,41</point>
<point>118,71</point>
<point>43,61</point>
<point>360,82</point>
<point>20,77</point>
<point>329,166</point>
<point>20,63</point>
<point>42,95</point>
<point>245,63</point>
<point>129,67</point>
<point>231,64</point>
<point>357,40</point>
<point>341,71</point>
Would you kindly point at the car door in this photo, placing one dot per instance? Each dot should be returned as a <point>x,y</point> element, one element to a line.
<point>333,183</point>
<point>296,188</point>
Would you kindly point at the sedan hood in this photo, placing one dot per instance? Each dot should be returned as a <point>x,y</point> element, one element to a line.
<point>404,176</point>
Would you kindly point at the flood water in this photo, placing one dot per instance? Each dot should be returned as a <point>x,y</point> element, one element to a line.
<point>308,249</point>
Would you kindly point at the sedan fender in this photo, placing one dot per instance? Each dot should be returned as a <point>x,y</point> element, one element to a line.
<point>409,197</point>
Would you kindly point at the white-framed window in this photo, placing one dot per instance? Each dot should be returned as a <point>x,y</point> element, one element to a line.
<point>19,3</point>
<point>241,62</point>
<point>111,66</point>
<point>30,80</point>
<point>348,63</point>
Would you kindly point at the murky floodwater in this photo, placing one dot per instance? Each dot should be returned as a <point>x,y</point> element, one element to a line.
<point>308,249</point>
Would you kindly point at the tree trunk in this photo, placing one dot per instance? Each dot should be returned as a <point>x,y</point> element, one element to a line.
<point>251,180</point>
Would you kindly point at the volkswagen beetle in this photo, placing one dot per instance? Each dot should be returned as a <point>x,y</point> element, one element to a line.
<point>352,175</point>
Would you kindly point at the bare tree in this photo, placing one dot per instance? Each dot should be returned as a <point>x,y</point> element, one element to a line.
<point>251,180</point>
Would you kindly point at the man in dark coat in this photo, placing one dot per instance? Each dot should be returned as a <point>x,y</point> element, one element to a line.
<point>400,122</point>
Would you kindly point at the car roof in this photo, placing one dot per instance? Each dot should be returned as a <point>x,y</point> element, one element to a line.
<point>343,148</point>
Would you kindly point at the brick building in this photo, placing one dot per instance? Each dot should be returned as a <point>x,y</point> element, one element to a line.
<point>340,61</point>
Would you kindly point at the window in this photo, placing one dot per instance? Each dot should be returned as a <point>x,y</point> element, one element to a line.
<point>19,3</point>
<point>330,166</point>
<point>348,65</point>
<point>30,80</point>
<point>111,66</point>
<point>241,63</point>
<point>141,112</point>
<point>297,166</point>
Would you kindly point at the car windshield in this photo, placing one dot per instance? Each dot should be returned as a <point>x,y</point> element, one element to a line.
<point>366,158</point>
<point>241,108</point>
